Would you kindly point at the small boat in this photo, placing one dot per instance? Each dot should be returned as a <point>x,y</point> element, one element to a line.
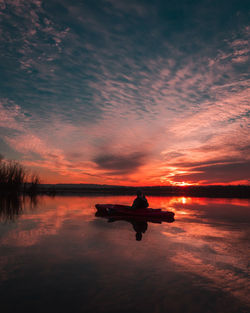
<point>117,210</point>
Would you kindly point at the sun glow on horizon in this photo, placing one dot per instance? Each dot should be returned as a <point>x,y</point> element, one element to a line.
<point>182,183</point>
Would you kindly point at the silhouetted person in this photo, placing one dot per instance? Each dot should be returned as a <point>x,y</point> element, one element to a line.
<point>139,227</point>
<point>140,202</point>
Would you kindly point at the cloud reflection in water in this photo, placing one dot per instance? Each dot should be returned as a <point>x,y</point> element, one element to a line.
<point>203,255</point>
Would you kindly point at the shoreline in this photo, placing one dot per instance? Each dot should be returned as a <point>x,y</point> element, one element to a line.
<point>189,191</point>
<point>211,191</point>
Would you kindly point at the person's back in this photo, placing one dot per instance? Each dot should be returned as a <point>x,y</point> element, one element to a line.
<point>140,202</point>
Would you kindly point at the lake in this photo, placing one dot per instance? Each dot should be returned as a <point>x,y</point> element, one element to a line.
<point>57,256</point>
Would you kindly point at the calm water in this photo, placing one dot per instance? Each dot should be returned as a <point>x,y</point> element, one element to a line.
<point>56,256</point>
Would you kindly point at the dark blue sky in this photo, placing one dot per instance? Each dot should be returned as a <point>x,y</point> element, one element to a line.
<point>126,92</point>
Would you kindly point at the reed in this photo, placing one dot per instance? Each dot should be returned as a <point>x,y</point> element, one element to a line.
<point>14,177</point>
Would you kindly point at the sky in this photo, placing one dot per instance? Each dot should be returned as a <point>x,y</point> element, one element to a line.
<point>126,92</point>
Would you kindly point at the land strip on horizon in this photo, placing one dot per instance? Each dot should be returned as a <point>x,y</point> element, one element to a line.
<point>240,191</point>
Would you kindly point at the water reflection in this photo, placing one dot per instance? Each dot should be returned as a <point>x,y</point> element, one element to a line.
<point>12,206</point>
<point>140,225</point>
<point>200,262</point>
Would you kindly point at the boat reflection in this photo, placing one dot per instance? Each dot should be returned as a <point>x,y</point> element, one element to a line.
<point>139,224</point>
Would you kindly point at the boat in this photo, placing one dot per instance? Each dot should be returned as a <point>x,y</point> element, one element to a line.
<point>118,211</point>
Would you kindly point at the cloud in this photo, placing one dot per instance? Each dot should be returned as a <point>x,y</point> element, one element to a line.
<point>218,173</point>
<point>120,164</point>
<point>130,7</point>
<point>12,116</point>
<point>117,78</point>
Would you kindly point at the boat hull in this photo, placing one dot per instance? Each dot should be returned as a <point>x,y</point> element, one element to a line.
<point>120,211</point>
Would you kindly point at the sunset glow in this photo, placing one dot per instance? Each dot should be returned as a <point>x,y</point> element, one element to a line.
<point>126,92</point>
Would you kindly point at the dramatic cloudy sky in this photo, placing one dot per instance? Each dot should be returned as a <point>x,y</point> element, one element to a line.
<point>126,92</point>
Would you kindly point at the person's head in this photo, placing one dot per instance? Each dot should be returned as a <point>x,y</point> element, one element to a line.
<point>138,236</point>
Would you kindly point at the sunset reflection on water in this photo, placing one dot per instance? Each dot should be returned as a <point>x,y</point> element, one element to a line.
<point>201,260</point>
